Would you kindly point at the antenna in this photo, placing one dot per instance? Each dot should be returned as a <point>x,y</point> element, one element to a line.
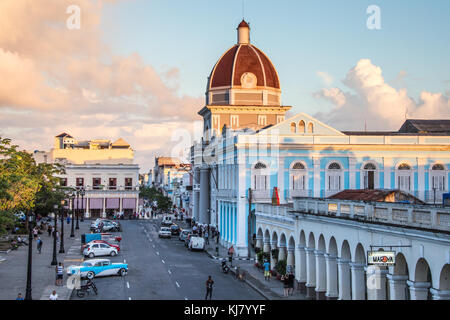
<point>365,125</point>
<point>243,9</point>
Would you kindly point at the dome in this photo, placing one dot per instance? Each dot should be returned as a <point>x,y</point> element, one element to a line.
<point>241,59</point>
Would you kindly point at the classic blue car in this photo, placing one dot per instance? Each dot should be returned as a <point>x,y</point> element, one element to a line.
<point>98,268</point>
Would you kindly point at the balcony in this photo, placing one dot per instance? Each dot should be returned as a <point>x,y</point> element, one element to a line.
<point>298,193</point>
<point>263,196</point>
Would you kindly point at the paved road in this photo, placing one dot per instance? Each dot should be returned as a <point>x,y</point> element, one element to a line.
<point>163,269</point>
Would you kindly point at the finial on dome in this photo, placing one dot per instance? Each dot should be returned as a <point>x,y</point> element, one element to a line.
<point>243,33</point>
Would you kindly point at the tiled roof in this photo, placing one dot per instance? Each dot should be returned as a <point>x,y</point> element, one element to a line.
<point>426,126</point>
<point>363,195</point>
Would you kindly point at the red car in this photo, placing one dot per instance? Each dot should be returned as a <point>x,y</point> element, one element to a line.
<point>101,241</point>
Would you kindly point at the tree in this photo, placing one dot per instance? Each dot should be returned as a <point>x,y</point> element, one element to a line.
<point>152,194</point>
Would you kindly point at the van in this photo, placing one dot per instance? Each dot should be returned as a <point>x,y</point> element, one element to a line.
<point>167,221</point>
<point>196,243</point>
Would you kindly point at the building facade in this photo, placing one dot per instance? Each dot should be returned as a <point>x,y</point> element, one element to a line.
<point>103,169</point>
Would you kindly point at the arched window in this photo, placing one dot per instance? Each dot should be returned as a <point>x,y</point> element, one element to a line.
<point>260,177</point>
<point>310,127</point>
<point>301,126</point>
<point>298,176</point>
<point>438,177</point>
<point>334,176</point>
<point>404,177</point>
<point>293,127</point>
<point>369,176</point>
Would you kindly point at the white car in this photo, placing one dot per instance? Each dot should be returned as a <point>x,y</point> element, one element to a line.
<point>99,249</point>
<point>196,243</point>
<point>165,233</point>
<point>167,221</point>
<point>97,268</point>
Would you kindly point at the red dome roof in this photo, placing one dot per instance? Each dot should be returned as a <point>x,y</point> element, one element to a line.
<point>240,59</point>
<point>243,24</point>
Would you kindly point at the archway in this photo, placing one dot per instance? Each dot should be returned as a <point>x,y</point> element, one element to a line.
<point>310,268</point>
<point>345,277</point>
<point>332,270</point>
<point>420,288</point>
<point>321,274</point>
<point>398,289</point>
<point>358,274</point>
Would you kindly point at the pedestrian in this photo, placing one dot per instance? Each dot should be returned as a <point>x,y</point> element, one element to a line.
<point>39,244</point>
<point>291,283</point>
<point>21,241</point>
<point>206,238</point>
<point>230,255</point>
<point>209,288</point>
<point>53,296</point>
<point>266,266</point>
<point>59,274</point>
<point>19,296</point>
<point>35,233</point>
<point>49,230</point>
<point>68,219</point>
<point>217,236</point>
<point>285,280</point>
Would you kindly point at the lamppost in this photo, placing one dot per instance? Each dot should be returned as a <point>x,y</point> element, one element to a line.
<point>78,209</point>
<point>54,262</point>
<point>250,222</point>
<point>72,196</point>
<point>31,221</point>
<point>83,192</point>
<point>61,244</point>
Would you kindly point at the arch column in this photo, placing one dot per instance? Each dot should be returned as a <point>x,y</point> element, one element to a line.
<point>344,279</point>
<point>332,274</point>
<point>440,294</point>
<point>290,260</point>
<point>397,286</point>
<point>273,260</point>
<point>321,275</point>
<point>418,290</point>
<point>266,247</point>
<point>259,243</point>
<point>300,268</point>
<point>204,195</point>
<point>310,273</point>
<point>281,252</point>
<point>376,283</point>
<point>358,285</point>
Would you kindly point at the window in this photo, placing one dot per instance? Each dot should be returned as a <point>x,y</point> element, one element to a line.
<point>260,178</point>
<point>280,119</point>
<point>63,182</point>
<point>112,183</point>
<point>262,120</point>
<point>128,183</point>
<point>234,121</point>
<point>438,177</point>
<point>310,127</point>
<point>79,182</point>
<point>216,122</point>
<point>298,176</point>
<point>293,127</point>
<point>96,182</point>
<point>369,176</point>
<point>404,177</point>
<point>334,176</point>
<point>301,126</point>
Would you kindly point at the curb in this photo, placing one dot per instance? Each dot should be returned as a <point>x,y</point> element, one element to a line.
<point>251,285</point>
<point>6,252</point>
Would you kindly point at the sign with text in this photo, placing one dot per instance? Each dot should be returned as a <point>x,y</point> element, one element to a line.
<point>381,258</point>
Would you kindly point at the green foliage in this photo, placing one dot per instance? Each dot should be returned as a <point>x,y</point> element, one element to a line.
<point>275,253</point>
<point>262,256</point>
<point>152,194</point>
<point>280,267</point>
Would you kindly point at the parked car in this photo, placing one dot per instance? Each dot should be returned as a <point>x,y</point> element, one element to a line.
<point>184,234</point>
<point>164,233</point>
<point>196,243</point>
<point>109,237</point>
<point>98,268</point>
<point>99,249</point>
<point>101,241</point>
<point>111,226</point>
<point>167,221</point>
<point>188,239</point>
<point>175,229</point>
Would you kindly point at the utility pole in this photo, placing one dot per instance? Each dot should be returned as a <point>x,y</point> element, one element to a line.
<point>249,222</point>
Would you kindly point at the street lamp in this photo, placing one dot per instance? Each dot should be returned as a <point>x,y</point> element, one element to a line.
<point>31,221</point>
<point>78,209</point>
<point>54,262</point>
<point>72,196</point>
<point>83,192</point>
<point>61,244</point>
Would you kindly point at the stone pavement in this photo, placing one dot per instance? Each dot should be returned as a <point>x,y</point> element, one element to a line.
<point>13,270</point>
<point>254,277</point>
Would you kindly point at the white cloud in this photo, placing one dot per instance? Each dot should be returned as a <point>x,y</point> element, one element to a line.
<point>327,79</point>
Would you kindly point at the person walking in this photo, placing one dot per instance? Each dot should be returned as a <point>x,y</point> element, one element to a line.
<point>19,296</point>
<point>35,233</point>
<point>53,296</point>
<point>39,244</point>
<point>209,288</point>
<point>217,236</point>
<point>206,237</point>
<point>266,266</point>
<point>68,219</point>
<point>59,274</point>
<point>285,280</point>
<point>291,277</point>
<point>49,230</point>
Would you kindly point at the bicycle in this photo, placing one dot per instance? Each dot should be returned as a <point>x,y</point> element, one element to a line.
<point>90,285</point>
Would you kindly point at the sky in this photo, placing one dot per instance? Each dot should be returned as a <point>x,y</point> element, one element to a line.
<point>137,69</point>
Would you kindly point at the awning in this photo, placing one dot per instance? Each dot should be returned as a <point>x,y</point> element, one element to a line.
<point>112,203</point>
<point>129,203</point>
<point>78,204</point>
<point>96,203</point>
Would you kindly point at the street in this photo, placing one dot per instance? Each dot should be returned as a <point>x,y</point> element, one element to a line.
<point>163,269</point>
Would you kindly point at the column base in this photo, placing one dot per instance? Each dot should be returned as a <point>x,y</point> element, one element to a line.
<point>310,293</point>
<point>320,295</point>
<point>302,287</point>
<point>332,298</point>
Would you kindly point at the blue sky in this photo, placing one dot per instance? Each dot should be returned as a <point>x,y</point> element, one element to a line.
<point>300,37</point>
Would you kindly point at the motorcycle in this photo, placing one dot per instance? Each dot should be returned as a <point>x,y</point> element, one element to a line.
<point>90,285</point>
<point>224,267</point>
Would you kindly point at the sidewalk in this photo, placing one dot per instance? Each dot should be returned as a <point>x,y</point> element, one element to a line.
<point>13,270</point>
<point>271,290</point>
